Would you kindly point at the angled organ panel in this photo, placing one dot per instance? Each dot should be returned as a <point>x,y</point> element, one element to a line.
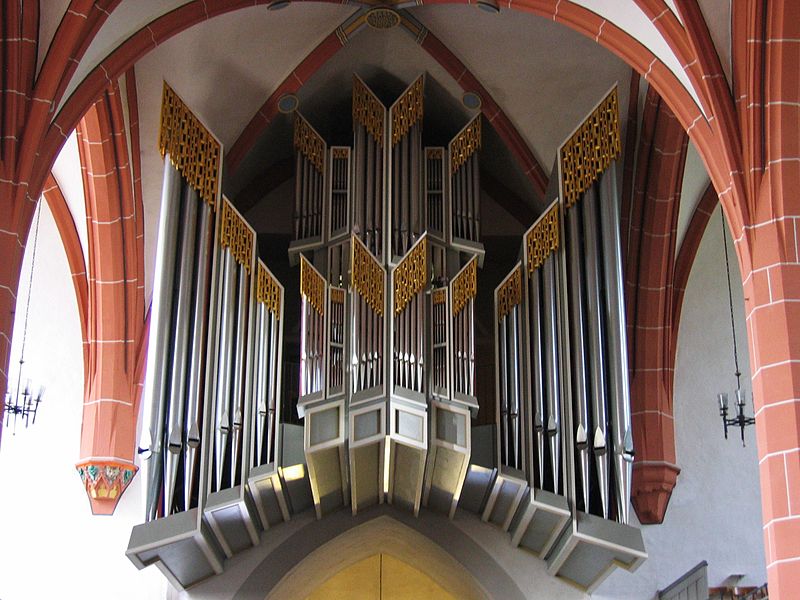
<point>369,152</point>
<point>406,168</point>
<point>311,157</point>
<point>464,176</point>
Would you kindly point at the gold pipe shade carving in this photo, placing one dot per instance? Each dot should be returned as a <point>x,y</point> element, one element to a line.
<point>590,150</point>
<point>465,144</point>
<point>367,275</point>
<point>268,290</point>
<point>542,239</point>
<point>312,285</point>
<point>439,296</point>
<point>434,153</point>
<point>408,109</point>
<point>309,142</point>
<point>192,150</point>
<point>509,294</point>
<point>465,285</point>
<point>236,235</point>
<point>368,110</point>
<point>410,275</point>
<point>337,295</point>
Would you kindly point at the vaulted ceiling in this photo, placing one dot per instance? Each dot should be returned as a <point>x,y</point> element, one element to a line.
<point>543,76</point>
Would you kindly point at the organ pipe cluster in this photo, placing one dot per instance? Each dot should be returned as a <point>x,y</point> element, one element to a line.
<point>212,383</point>
<point>562,381</point>
<point>388,279</point>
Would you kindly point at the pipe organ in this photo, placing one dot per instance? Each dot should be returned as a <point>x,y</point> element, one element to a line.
<point>564,426</point>
<point>387,246</point>
<point>388,317</point>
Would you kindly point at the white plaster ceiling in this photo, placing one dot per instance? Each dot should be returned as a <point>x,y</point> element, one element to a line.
<point>695,182</point>
<point>50,14</point>
<point>545,76</point>
<point>67,172</point>
<point>630,18</point>
<point>717,14</point>
<point>127,18</point>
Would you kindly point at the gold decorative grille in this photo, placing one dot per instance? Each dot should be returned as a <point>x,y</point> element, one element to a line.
<point>192,150</point>
<point>542,239</point>
<point>309,142</point>
<point>408,109</point>
<point>590,150</point>
<point>312,285</point>
<point>510,293</point>
<point>465,144</point>
<point>434,153</point>
<point>367,275</point>
<point>336,295</point>
<point>236,235</point>
<point>465,286</point>
<point>268,290</point>
<point>339,152</point>
<point>410,275</point>
<point>368,110</point>
<point>440,296</point>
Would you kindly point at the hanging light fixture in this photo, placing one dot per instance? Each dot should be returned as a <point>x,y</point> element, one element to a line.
<point>22,403</point>
<point>740,420</point>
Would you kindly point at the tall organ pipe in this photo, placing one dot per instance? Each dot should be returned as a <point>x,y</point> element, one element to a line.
<point>535,315</point>
<point>200,307</point>
<point>514,385</point>
<point>239,370</point>
<point>597,357</point>
<point>275,381</point>
<point>223,421</point>
<point>618,378</point>
<point>578,360</point>
<point>158,355</point>
<point>180,345</point>
<point>551,382</point>
<point>503,326</point>
<point>260,400</point>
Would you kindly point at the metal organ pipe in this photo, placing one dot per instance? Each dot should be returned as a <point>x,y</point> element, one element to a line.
<point>537,377</point>
<point>223,392</point>
<point>551,381</point>
<point>514,385</point>
<point>618,349</point>
<point>198,345</point>
<point>158,356</point>
<point>504,388</point>
<point>262,352</point>
<point>577,358</point>
<point>597,357</point>
<point>239,371</point>
<point>184,275</point>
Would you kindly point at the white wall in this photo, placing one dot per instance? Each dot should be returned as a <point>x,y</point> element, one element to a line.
<point>50,544</point>
<point>715,510</point>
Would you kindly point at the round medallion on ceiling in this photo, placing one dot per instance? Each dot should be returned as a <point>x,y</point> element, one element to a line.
<point>471,100</point>
<point>288,103</point>
<point>383,18</point>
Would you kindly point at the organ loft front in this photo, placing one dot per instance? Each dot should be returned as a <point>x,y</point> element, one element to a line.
<point>361,389</point>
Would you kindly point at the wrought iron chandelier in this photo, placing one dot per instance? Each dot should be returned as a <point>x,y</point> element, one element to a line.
<point>739,420</point>
<point>22,403</point>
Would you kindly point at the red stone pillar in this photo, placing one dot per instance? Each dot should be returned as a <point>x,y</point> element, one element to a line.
<point>771,280</point>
